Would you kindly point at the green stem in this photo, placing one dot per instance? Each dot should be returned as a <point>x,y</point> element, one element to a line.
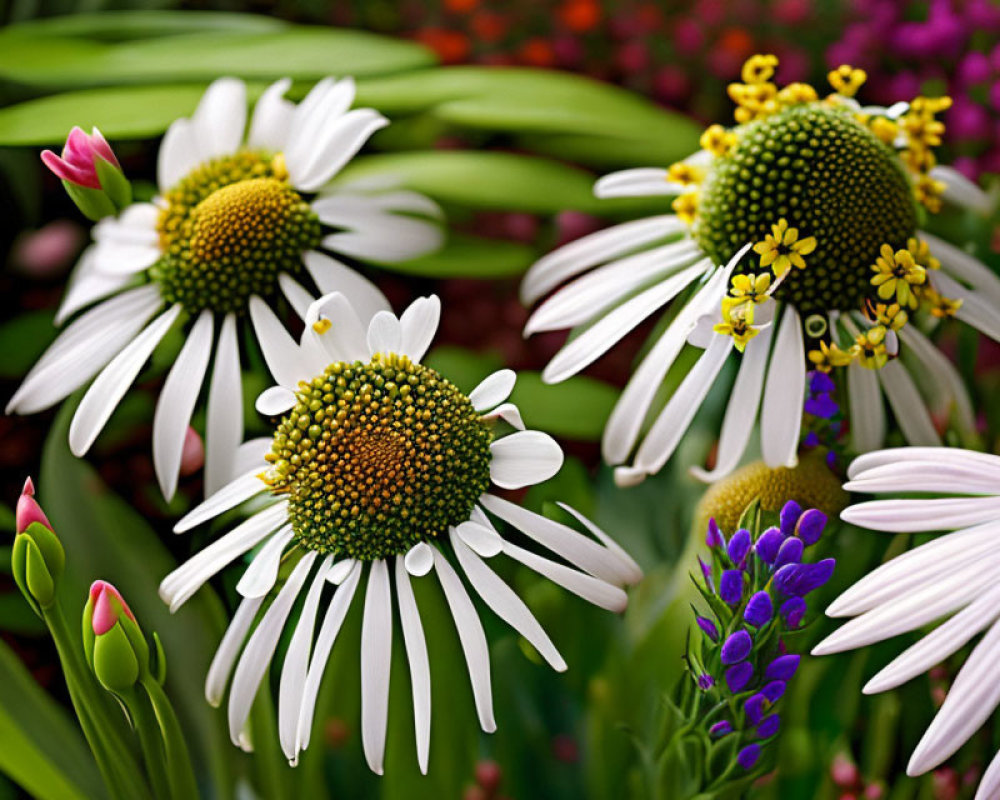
<point>153,753</point>
<point>183,785</point>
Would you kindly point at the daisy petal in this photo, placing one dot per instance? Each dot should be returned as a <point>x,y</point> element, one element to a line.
<point>419,324</point>
<point>416,655</point>
<point>639,182</point>
<point>593,590</point>
<point>224,425</point>
<point>272,118</point>
<point>229,496</point>
<point>284,357</point>
<point>914,420</point>
<point>784,394</point>
<point>220,118</point>
<point>419,559</point>
<point>229,648</point>
<point>866,408</point>
<point>493,389</point>
<point>332,276</point>
<point>524,458</point>
<point>376,656</point>
<point>385,334</point>
<point>258,579</point>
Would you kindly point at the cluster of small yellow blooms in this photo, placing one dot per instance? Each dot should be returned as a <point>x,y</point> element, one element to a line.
<point>923,133</point>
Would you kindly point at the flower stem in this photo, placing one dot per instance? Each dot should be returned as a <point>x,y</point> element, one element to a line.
<point>153,752</point>
<point>183,785</point>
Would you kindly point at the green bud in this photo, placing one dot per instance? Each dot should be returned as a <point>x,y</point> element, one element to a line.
<point>115,647</point>
<point>37,557</point>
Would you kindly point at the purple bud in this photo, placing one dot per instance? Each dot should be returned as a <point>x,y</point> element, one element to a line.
<point>782,668</point>
<point>731,586</point>
<point>720,728</point>
<point>788,516</point>
<point>736,647</point>
<point>708,627</point>
<point>797,580</point>
<point>810,526</point>
<point>773,691</point>
<point>714,537</point>
<point>821,405</point>
<point>790,552</point>
<point>759,609</point>
<point>739,546</point>
<point>748,756</point>
<point>705,682</point>
<point>755,706</point>
<point>769,726</point>
<point>820,382</point>
<point>738,676</point>
<point>767,545</point>
<point>793,610</point>
<point>811,440</point>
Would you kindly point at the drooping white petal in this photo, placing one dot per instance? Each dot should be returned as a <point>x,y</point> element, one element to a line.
<point>275,400</point>
<point>600,337</point>
<point>341,571</point>
<point>272,117</point>
<point>129,243</point>
<point>87,345</point>
<point>285,359</point>
<point>260,648</point>
<point>927,475</point>
<point>376,656</point>
<point>229,496</point>
<point>178,154</point>
<point>741,411</point>
<point>109,387</point>
<point>978,310</point>
<point>420,669</point>
<point>481,538</point>
<point>384,334</point>
<point>943,376</point>
<point>224,426</point>
<point>509,413</point>
<point>229,648</point>
<point>594,249</point>
<point>258,579</point>
<point>177,401</point>
<point>911,414</point>
<point>866,408</point>
<point>989,784</point>
<point>337,145</point>
<point>472,638</point>
<point>220,119</point>
<point>784,394</point>
<point>332,276</point>
<point>296,294</point>
<point>251,455</point>
<point>87,285</point>
<point>419,324</point>
<point>505,603</point>
<point>959,264</point>
<point>368,231</point>
<point>950,455</point>
<point>638,182</point>
<point>633,573</point>
<point>912,516</point>
<point>419,559</point>
<point>524,458</point>
<point>493,389</point>
<point>959,190</point>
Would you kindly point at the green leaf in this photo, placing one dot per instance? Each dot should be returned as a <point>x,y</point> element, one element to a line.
<point>574,409</point>
<point>22,341</point>
<point>42,750</point>
<point>125,25</point>
<point>470,257</point>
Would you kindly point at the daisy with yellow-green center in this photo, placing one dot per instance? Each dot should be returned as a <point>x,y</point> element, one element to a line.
<point>380,473</point>
<point>849,188</point>
<point>247,212</point>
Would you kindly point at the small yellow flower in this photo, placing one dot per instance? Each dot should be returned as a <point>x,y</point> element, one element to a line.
<point>753,100</point>
<point>759,68</point>
<point>889,315</point>
<point>896,273</point>
<point>884,129</point>
<point>923,129</point>
<point>928,193</point>
<point>737,321</point>
<point>686,207</point>
<point>829,356</point>
<point>940,306</point>
<point>717,140</point>
<point>751,288</point>
<point>930,105</point>
<point>684,174</point>
<point>782,248</point>
<point>797,93</point>
<point>846,80</point>
<point>921,253</point>
<point>918,158</point>
<point>869,348</point>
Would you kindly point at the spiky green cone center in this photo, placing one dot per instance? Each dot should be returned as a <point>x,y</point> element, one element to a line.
<point>830,177</point>
<point>377,457</point>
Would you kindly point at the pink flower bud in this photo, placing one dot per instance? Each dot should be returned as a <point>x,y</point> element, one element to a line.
<point>108,606</point>
<point>78,163</point>
<point>193,453</point>
<point>28,510</point>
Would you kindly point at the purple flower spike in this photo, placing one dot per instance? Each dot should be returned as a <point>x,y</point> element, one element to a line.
<point>789,515</point>
<point>790,552</point>
<point>738,676</point>
<point>821,405</point>
<point>714,537</point>
<point>754,708</point>
<point>720,729</point>
<point>792,611</point>
<point>767,545</point>
<point>736,647</point>
<point>797,580</point>
<point>810,526</point>
<point>708,627</point>
<point>739,546</point>
<point>748,756</point>
<point>759,610</point>
<point>774,691</point>
<point>705,682</point>
<point>820,382</point>
<point>731,586</point>
<point>782,668</point>
<point>769,727</point>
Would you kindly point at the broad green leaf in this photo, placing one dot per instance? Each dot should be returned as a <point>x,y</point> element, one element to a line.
<point>124,25</point>
<point>22,341</point>
<point>574,409</point>
<point>490,180</point>
<point>42,748</point>
<point>470,257</point>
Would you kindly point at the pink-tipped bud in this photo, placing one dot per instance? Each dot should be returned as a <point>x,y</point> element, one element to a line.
<point>78,163</point>
<point>192,453</point>
<point>109,605</point>
<point>28,510</point>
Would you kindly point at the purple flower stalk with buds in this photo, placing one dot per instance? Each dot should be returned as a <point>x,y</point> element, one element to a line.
<point>91,174</point>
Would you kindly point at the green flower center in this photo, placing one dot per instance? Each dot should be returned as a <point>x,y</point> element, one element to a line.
<point>228,230</point>
<point>831,178</point>
<point>377,457</point>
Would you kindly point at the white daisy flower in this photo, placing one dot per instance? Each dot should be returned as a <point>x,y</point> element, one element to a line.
<point>951,579</point>
<point>817,188</point>
<point>381,467</point>
<point>242,219</point>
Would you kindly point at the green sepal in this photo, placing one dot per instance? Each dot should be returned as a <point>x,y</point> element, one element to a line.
<point>158,660</point>
<point>37,563</point>
<point>94,204</point>
<point>114,183</point>
<point>750,518</point>
<point>115,663</point>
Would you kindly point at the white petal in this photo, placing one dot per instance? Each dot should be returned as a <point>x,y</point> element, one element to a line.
<point>927,475</point>
<point>176,403</point>
<point>944,377</point>
<point>261,646</point>
<point>368,233</point>
<point>332,276</point>
<point>977,309</point>
<point>229,496</point>
<point>272,118</point>
<point>524,458</point>
<point>482,539</point>
<point>416,655</point>
<point>341,571</point>
<point>220,118</point>
<point>296,294</point>
<point>178,154</point>
<point>275,400</point>
<point>285,359</point>
<point>600,337</point>
<point>472,637</point>
<point>505,603</point>
<point>384,334</point>
<point>784,395</point>
<point>128,243</point>
<point>251,455</point>
<point>110,386</point>
<point>419,324</point>
<point>867,411</point>
<point>376,657</point>
<point>673,422</point>
<point>638,182</point>
<point>741,411</point>
<point>317,114</point>
<point>86,285</point>
<point>229,649</point>
<point>336,146</point>
<point>594,249</point>
<point>419,559</point>
<point>911,414</point>
<point>989,785</point>
<point>493,389</point>
<point>959,264</point>
<point>951,455</point>
<point>912,516</point>
<point>224,425</point>
<point>258,579</point>
<point>959,190</point>
<point>509,413</point>
<point>633,574</point>
<point>346,338</point>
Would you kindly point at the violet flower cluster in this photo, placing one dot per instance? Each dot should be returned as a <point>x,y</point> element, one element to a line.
<point>823,418</point>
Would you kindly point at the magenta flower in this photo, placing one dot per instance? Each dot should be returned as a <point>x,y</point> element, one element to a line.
<point>78,163</point>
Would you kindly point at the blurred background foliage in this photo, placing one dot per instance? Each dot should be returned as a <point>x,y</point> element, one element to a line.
<point>511,155</point>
